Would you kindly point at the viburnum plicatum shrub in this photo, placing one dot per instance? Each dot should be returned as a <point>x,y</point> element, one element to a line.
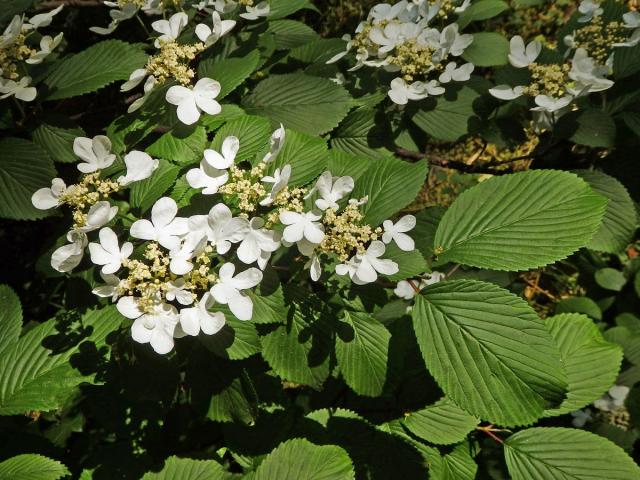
<point>234,248</point>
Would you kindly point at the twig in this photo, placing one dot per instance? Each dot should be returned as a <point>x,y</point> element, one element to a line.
<point>455,165</point>
<point>70,3</point>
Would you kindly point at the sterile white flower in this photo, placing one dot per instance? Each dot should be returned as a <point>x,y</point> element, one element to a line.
<point>463,6</point>
<point>176,291</point>
<point>149,84</point>
<point>393,34</point>
<point>47,45</point>
<point>199,318</point>
<point>613,399</point>
<point>505,92</point>
<point>258,243</point>
<point>164,227</point>
<point>192,246</point>
<point>191,101</point>
<point>220,227</point>
<point>276,144</point>
<point>401,92</point>
<point>210,35</point>
<point>455,73</point>
<point>46,198</point>
<point>452,42</point>
<point>407,289</point>
<point>280,180</point>
<point>365,268</point>
<point>229,288</point>
<point>589,9</point>
<point>397,232</point>
<point>385,11</point>
<point>140,166</point>
<point>170,29</point>
<point>206,177</point>
<point>20,89</point>
<point>587,74</point>
<point>521,57</point>
<point>11,31</point>
<point>347,38</point>
<point>95,152</point>
<point>110,287</point>
<point>315,269</point>
<point>135,79</point>
<point>581,417</point>
<point>331,189</point>
<point>43,19</point>
<point>157,328</point>
<point>227,155</point>
<point>551,105</point>
<point>254,13</point>
<point>98,216</point>
<point>108,252</point>
<point>302,225</point>
<point>68,257</point>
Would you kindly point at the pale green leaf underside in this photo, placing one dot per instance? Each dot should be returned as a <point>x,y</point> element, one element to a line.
<point>520,221</point>
<point>442,423</point>
<point>31,466</point>
<point>488,351</point>
<point>566,454</point>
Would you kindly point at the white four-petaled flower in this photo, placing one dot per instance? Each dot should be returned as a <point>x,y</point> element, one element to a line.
<point>95,152</point>
<point>108,252</point>
<point>140,166</point>
<point>192,101</point>
<point>170,29</point>
<point>397,232</point>
<point>228,290</point>
<point>332,189</point>
<point>200,318</point>
<point>302,226</point>
<point>164,227</point>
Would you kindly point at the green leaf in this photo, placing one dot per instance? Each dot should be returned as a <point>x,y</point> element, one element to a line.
<point>448,118</point>
<point>620,218</point>
<point>299,459</point>
<point>10,317</point>
<point>628,340</point>
<point>362,350</point>
<point>13,7</point>
<point>188,469</point>
<point>57,141</point>
<point>307,156</point>
<point>360,134</point>
<point>592,363</point>
<point>488,49</point>
<point>308,104</point>
<point>32,377</point>
<point>289,34</point>
<point>626,61</point>
<point>31,466</point>
<point>253,133</point>
<point>283,8</point>
<point>183,146</point>
<point>442,423</point>
<point>424,233</point>
<point>520,221</point>
<point>230,72</point>
<point>145,193</point>
<point>592,127</point>
<point>579,305</point>
<point>341,164</point>
<point>24,168</point>
<point>410,264</point>
<point>391,185</point>
<point>610,279</point>
<point>566,454</point>
<point>93,68</point>
<point>268,300</point>
<point>482,10</point>
<point>457,465</point>
<point>237,339</point>
<point>318,51</point>
<point>488,351</point>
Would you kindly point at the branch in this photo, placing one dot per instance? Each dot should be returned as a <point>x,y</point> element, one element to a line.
<point>489,168</point>
<point>51,4</point>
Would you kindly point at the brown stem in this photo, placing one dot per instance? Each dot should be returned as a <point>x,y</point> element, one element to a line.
<point>51,4</point>
<point>489,168</point>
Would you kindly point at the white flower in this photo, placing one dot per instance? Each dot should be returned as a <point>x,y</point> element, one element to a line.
<point>315,269</point>
<point>68,257</point>
<point>135,79</point>
<point>95,152</point>
<point>613,399</point>
<point>276,144</point>
<point>140,166</point>
<point>164,227</point>
<point>207,178</point>
<point>587,74</point>
<point>197,318</point>
<point>254,13</point>
<point>521,57</point>
<point>170,29</point>
<point>47,45</point>
<point>385,11</point>
<point>98,216</point>
<point>364,268</point>
<point>452,43</point>
<point>220,227</point>
<point>581,417</point>
<point>128,11</point>
<point>191,101</point>
<point>258,243</point>
<point>156,327</point>
<point>551,105</point>
<point>407,289</point>
<point>11,32</point>
<point>192,246</point>
<point>20,89</point>
<point>108,252</point>
<point>401,93</point>
<point>110,287</point>
<point>227,155</point>
<point>505,92</point>
<point>224,6</point>
<point>302,225</point>
<point>331,189</point>
<point>43,19</point>
<point>347,38</point>
<point>211,35</point>
<point>176,291</point>
<point>589,9</point>
<point>396,232</point>
<point>462,7</point>
<point>393,34</point>
<point>228,289</point>
<point>455,73</point>
<point>280,180</point>
<point>46,198</point>
<point>631,19</point>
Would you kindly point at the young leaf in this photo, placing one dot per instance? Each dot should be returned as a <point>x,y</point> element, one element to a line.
<point>488,351</point>
<point>31,466</point>
<point>299,459</point>
<point>442,423</point>
<point>566,454</point>
<point>520,221</point>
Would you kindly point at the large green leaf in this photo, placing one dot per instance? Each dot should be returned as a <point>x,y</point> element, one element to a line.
<point>442,423</point>
<point>145,193</point>
<point>24,168</point>
<point>188,469</point>
<point>362,350</point>
<point>282,8</point>
<point>31,466</point>
<point>230,72</point>
<point>32,377</point>
<point>182,145</point>
<point>58,141</point>
<point>361,133</point>
<point>10,317</point>
<point>93,68</point>
<point>487,50</point>
<point>448,118</point>
<point>307,156</point>
<point>482,10</point>
<point>456,465</point>
<point>299,459</point>
<point>289,34</point>
<point>620,217</point>
<point>308,104</point>
<point>591,127</point>
<point>253,133</point>
<point>488,351</point>
<point>520,221</point>
<point>566,454</point>
<point>592,363</point>
<point>390,185</point>
<point>237,340</point>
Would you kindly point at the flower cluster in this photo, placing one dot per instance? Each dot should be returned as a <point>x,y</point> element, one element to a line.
<point>89,198</point>
<point>610,408</point>
<point>122,10</point>
<point>172,270</point>
<point>399,39</point>
<point>17,53</point>
<point>253,10</point>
